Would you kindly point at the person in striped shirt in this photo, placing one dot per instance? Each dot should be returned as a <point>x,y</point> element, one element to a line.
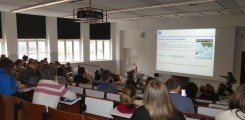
<point>48,90</point>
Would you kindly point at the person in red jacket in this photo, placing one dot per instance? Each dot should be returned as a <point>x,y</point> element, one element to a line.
<point>127,100</point>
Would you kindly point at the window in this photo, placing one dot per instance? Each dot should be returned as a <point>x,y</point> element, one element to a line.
<point>69,50</point>
<point>100,50</point>
<point>33,48</point>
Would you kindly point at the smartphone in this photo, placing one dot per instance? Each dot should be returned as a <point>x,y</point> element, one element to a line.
<point>183,93</point>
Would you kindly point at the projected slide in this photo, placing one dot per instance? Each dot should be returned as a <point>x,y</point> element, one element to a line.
<point>189,51</point>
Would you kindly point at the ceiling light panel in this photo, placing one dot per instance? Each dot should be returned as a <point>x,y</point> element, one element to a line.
<point>173,9</point>
<point>123,15</point>
<point>240,3</point>
<point>200,7</point>
<point>236,11</point>
<point>148,2</point>
<point>43,4</point>
<point>170,1</point>
<point>227,3</point>
<point>243,9</point>
<point>155,11</point>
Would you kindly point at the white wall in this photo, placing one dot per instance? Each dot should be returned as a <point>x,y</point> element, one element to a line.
<point>130,32</point>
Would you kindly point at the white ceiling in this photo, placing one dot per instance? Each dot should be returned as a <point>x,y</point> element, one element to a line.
<point>218,7</point>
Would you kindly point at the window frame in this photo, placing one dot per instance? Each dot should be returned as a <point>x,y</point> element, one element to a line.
<point>103,50</point>
<point>47,52</point>
<point>73,50</point>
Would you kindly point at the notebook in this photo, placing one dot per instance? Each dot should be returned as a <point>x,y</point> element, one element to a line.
<point>71,102</point>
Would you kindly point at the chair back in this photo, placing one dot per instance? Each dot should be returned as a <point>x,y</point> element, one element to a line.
<point>89,86</point>
<point>100,107</point>
<point>225,107</point>
<point>29,111</point>
<point>75,89</point>
<point>61,115</point>
<point>204,101</point>
<point>209,111</point>
<point>222,102</point>
<point>8,110</point>
<point>113,96</point>
<point>94,93</point>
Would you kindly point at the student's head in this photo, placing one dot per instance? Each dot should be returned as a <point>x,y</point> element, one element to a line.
<point>33,64</point>
<point>8,65</point>
<point>96,72</point>
<point>19,63</point>
<point>221,88</point>
<point>130,75</point>
<point>229,73</point>
<point>237,100</point>
<point>25,58</point>
<point>68,64</point>
<point>209,90</point>
<point>191,90</point>
<point>48,72</point>
<point>81,70</point>
<point>148,80</point>
<point>202,89</point>
<point>2,57</point>
<point>157,101</point>
<point>57,63</point>
<point>173,84</point>
<point>128,93</point>
<point>106,74</point>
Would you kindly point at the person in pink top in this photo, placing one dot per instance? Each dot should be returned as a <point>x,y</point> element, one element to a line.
<point>48,90</point>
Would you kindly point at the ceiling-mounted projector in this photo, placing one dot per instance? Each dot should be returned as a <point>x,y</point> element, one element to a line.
<point>89,13</point>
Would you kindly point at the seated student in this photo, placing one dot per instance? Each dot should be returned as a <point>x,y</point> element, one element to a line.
<point>191,91</point>
<point>106,86</point>
<point>127,100</point>
<point>157,104</point>
<point>97,78</point>
<point>184,104</point>
<point>7,78</point>
<point>222,92</point>
<point>148,79</point>
<point>81,77</point>
<point>48,91</point>
<point>130,79</point>
<point>202,90</point>
<point>236,105</point>
<point>19,66</point>
<point>209,94</point>
<point>29,71</point>
<point>68,67</point>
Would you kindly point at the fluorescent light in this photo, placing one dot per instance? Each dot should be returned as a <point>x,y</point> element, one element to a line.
<point>40,5</point>
<point>161,5</point>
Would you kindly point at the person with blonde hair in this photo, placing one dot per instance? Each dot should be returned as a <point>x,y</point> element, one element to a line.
<point>157,104</point>
<point>236,105</point>
<point>127,100</point>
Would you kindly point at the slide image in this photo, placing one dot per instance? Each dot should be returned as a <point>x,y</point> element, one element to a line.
<point>204,48</point>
